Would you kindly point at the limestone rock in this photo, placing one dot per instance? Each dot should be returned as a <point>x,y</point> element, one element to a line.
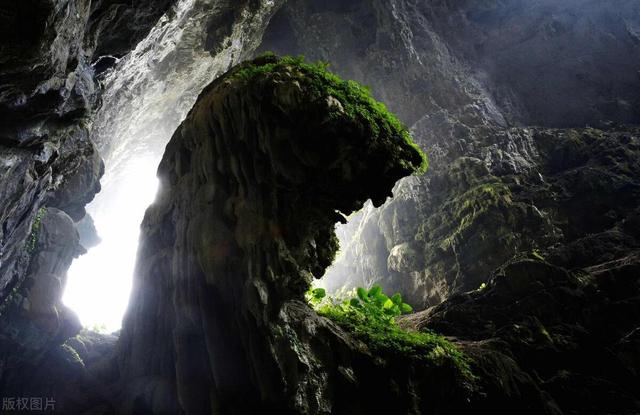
<point>470,77</point>
<point>567,334</point>
<point>251,182</point>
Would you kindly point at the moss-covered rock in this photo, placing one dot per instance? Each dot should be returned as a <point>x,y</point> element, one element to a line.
<point>508,192</point>
<point>559,340</point>
<point>252,183</point>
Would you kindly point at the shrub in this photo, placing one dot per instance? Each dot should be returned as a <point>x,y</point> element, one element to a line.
<point>371,317</point>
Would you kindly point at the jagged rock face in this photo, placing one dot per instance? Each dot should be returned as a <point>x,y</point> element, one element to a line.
<point>47,95</point>
<point>35,323</point>
<point>523,190</point>
<point>116,27</point>
<point>54,76</point>
<point>53,243</point>
<point>487,205</point>
<point>571,335</point>
<point>251,182</point>
<point>460,74</point>
<point>388,46</point>
<point>43,67</point>
<point>538,62</point>
<point>48,92</point>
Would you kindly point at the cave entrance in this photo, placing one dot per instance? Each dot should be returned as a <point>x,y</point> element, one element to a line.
<point>99,282</point>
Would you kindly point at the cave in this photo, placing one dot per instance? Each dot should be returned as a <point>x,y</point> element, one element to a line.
<point>303,207</point>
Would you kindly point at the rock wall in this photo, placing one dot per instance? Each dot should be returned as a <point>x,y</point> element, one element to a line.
<point>538,332</point>
<point>48,95</point>
<point>49,171</point>
<point>61,65</point>
<point>465,76</point>
<point>540,62</point>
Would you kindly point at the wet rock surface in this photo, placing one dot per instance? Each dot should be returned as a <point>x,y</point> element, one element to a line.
<point>36,324</point>
<point>537,62</point>
<point>47,97</point>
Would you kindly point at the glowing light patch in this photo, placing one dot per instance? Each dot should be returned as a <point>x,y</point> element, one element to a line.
<point>99,282</point>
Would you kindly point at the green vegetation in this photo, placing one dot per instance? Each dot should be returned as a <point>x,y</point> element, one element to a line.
<point>472,205</point>
<point>32,240</point>
<point>371,317</point>
<point>70,354</point>
<point>537,255</point>
<point>98,328</point>
<point>13,298</point>
<point>355,99</point>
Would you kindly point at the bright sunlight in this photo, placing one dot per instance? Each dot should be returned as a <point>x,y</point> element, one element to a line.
<point>99,282</point>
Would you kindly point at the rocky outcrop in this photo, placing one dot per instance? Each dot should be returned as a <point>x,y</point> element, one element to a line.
<point>570,335</point>
<point>116,27</point>
<point>218,322</point>
<point>252,183</point>
<point>34,319</point>
<point>56,71</point>
<point>447,231</point>
<point>47,96</point>
<point>461,74</point>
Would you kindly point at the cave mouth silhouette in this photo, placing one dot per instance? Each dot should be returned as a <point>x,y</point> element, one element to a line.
<point>99,282</point>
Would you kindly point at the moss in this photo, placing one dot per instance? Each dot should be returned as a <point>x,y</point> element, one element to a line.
<point>355,99</point>
<point>70,354</point>
<point>387,337</point>
<point>468,207</point>
<point>32,240</point>
<point>14,298</point>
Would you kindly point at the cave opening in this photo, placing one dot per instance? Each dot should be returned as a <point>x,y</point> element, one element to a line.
<point>144,99</point>
<point>99,282</point>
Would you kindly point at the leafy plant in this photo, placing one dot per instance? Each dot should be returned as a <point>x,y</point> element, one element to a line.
<point>374,302</point>
<point>371,316</point>
<point>537,255</point>
<point>316,295</point>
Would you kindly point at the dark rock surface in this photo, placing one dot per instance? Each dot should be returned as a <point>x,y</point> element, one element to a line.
<point>35,323</point>
<point>244,219</point>
<point>47,95</point>
<point>54,59</point>
<point>87,231</point>
<point>509,191</point>
<point>462,74</point>
<point>532,62</point>
<point>571,334</point>
<point>49,171</point>
<point>116,26</point>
